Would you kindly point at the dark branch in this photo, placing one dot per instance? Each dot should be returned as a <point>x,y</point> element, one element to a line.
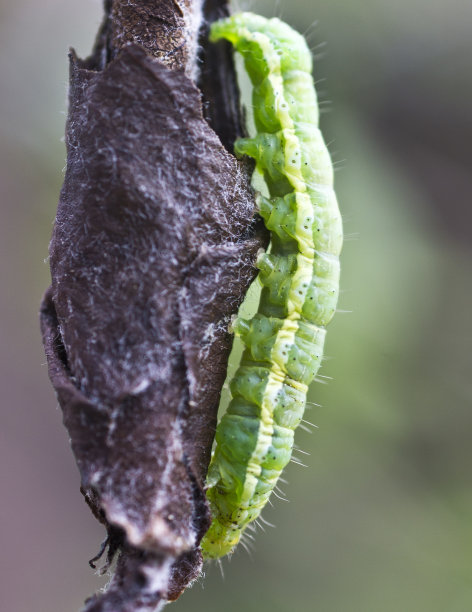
<point>152,252</point>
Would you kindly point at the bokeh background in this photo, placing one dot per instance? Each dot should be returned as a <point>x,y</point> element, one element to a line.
<point>382,517</point>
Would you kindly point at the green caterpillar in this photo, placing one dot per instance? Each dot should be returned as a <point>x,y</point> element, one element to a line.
<point>299,277</point>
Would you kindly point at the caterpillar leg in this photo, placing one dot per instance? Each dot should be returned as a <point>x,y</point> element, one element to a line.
<point>219,540</point>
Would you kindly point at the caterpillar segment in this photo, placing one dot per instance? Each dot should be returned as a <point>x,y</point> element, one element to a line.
<point>300,277</point>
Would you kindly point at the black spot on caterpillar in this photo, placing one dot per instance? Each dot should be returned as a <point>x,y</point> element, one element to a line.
<point>299,277</point>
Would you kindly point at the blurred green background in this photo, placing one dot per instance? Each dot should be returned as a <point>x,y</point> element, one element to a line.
<point>382,517</point>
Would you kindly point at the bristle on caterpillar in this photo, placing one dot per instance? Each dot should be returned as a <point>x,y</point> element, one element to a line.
<point>299,277</point>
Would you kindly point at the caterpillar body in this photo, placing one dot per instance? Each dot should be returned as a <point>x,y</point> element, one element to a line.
<point>299,276</point>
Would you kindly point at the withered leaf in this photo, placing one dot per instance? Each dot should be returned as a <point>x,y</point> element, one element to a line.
<point>152,252</point>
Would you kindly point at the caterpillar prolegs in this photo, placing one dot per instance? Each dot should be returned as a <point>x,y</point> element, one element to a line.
<point>300,277</point>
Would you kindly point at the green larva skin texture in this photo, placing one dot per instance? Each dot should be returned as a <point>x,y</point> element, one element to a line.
<point>300,277</point>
